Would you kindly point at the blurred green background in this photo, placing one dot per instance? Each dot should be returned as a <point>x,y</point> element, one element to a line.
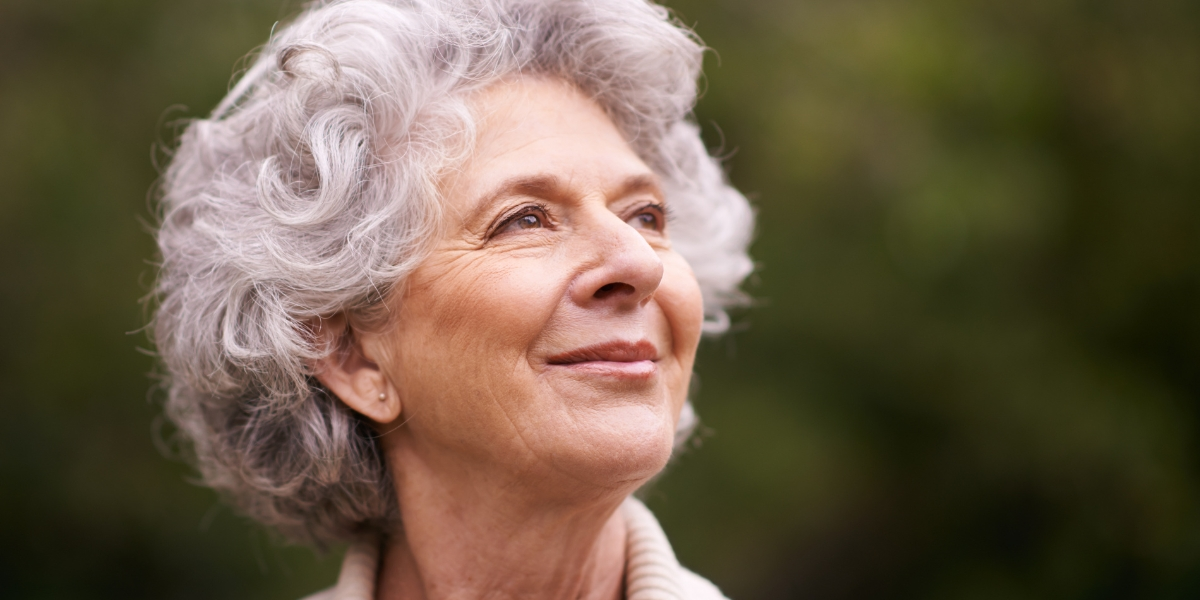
<point>973,367</point>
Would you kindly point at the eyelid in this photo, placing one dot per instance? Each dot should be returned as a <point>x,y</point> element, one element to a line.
<point>655,204</point>
<point>661,207</point>
<point>517,213</point>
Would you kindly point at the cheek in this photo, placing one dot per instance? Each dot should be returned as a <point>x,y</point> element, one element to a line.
<point>683,305</point>
<point>470,309</point>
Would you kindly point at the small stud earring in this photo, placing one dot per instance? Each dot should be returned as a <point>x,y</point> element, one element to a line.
<point>382,396</point>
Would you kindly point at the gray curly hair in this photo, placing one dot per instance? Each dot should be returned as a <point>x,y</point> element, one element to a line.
<point>312,190</point>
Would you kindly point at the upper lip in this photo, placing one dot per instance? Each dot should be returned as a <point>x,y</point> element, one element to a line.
<point>615,351</point>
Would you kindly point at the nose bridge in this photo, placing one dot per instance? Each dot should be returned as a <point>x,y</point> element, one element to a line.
<point>623,267</point>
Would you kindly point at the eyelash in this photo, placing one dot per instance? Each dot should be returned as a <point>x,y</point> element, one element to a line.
<point>528,209</point>
<point>664,214</point>
<point>543,211</point>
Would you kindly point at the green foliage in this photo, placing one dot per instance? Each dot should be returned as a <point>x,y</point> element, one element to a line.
<point>973,368</point>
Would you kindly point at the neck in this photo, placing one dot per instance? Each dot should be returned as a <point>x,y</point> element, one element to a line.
<point>477,536</point>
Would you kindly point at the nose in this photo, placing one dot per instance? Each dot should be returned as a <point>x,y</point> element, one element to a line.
<point>623,271</point>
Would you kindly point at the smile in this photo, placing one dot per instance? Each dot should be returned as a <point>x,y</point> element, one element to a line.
<point>617,359</point>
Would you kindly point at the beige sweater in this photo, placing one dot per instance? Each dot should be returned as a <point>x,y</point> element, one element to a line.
<point>651,570</point>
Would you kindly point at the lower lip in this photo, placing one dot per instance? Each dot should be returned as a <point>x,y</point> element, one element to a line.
<point>637,369</point>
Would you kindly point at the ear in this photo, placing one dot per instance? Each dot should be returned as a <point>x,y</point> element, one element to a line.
<point>351,371</point>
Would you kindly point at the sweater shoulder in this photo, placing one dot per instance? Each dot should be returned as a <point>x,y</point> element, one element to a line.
<point>696,587</point>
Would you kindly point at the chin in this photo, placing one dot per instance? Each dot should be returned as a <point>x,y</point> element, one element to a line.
<point>617,448</point>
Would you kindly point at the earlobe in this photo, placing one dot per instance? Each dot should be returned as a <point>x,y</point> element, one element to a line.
<point>383,408</point>
<point>350,374</point>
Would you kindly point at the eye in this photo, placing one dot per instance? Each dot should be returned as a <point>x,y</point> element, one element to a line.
<point>651,217</point>
<point>525,221</point>
<point>528,217</point>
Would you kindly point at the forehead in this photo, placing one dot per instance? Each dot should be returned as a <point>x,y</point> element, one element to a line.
<point>535,127</point>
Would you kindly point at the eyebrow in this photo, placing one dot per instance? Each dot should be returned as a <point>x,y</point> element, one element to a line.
<point>548,186</point>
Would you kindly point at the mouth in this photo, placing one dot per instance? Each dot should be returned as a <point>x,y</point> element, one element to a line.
<point>618,359</point>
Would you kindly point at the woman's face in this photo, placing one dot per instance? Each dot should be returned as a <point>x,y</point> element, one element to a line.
<point>552,329</point>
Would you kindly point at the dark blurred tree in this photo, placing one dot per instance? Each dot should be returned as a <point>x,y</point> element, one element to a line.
<point>88,506</point>
<point>972,370</point>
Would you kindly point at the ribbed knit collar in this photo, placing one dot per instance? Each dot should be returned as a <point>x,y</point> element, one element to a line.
<point>651,569</point>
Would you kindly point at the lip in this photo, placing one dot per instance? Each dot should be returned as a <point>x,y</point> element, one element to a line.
<point>620,359</point>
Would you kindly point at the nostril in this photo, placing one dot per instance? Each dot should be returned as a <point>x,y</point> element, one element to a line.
<point>612,289</point>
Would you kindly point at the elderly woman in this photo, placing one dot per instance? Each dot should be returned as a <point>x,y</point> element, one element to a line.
<point>433,278</point>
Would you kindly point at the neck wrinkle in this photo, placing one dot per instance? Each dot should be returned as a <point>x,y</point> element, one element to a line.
<point>651,570</point>
<point>514,565</point>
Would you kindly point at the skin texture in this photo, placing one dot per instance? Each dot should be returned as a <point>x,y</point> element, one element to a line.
<point>538,361</point>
